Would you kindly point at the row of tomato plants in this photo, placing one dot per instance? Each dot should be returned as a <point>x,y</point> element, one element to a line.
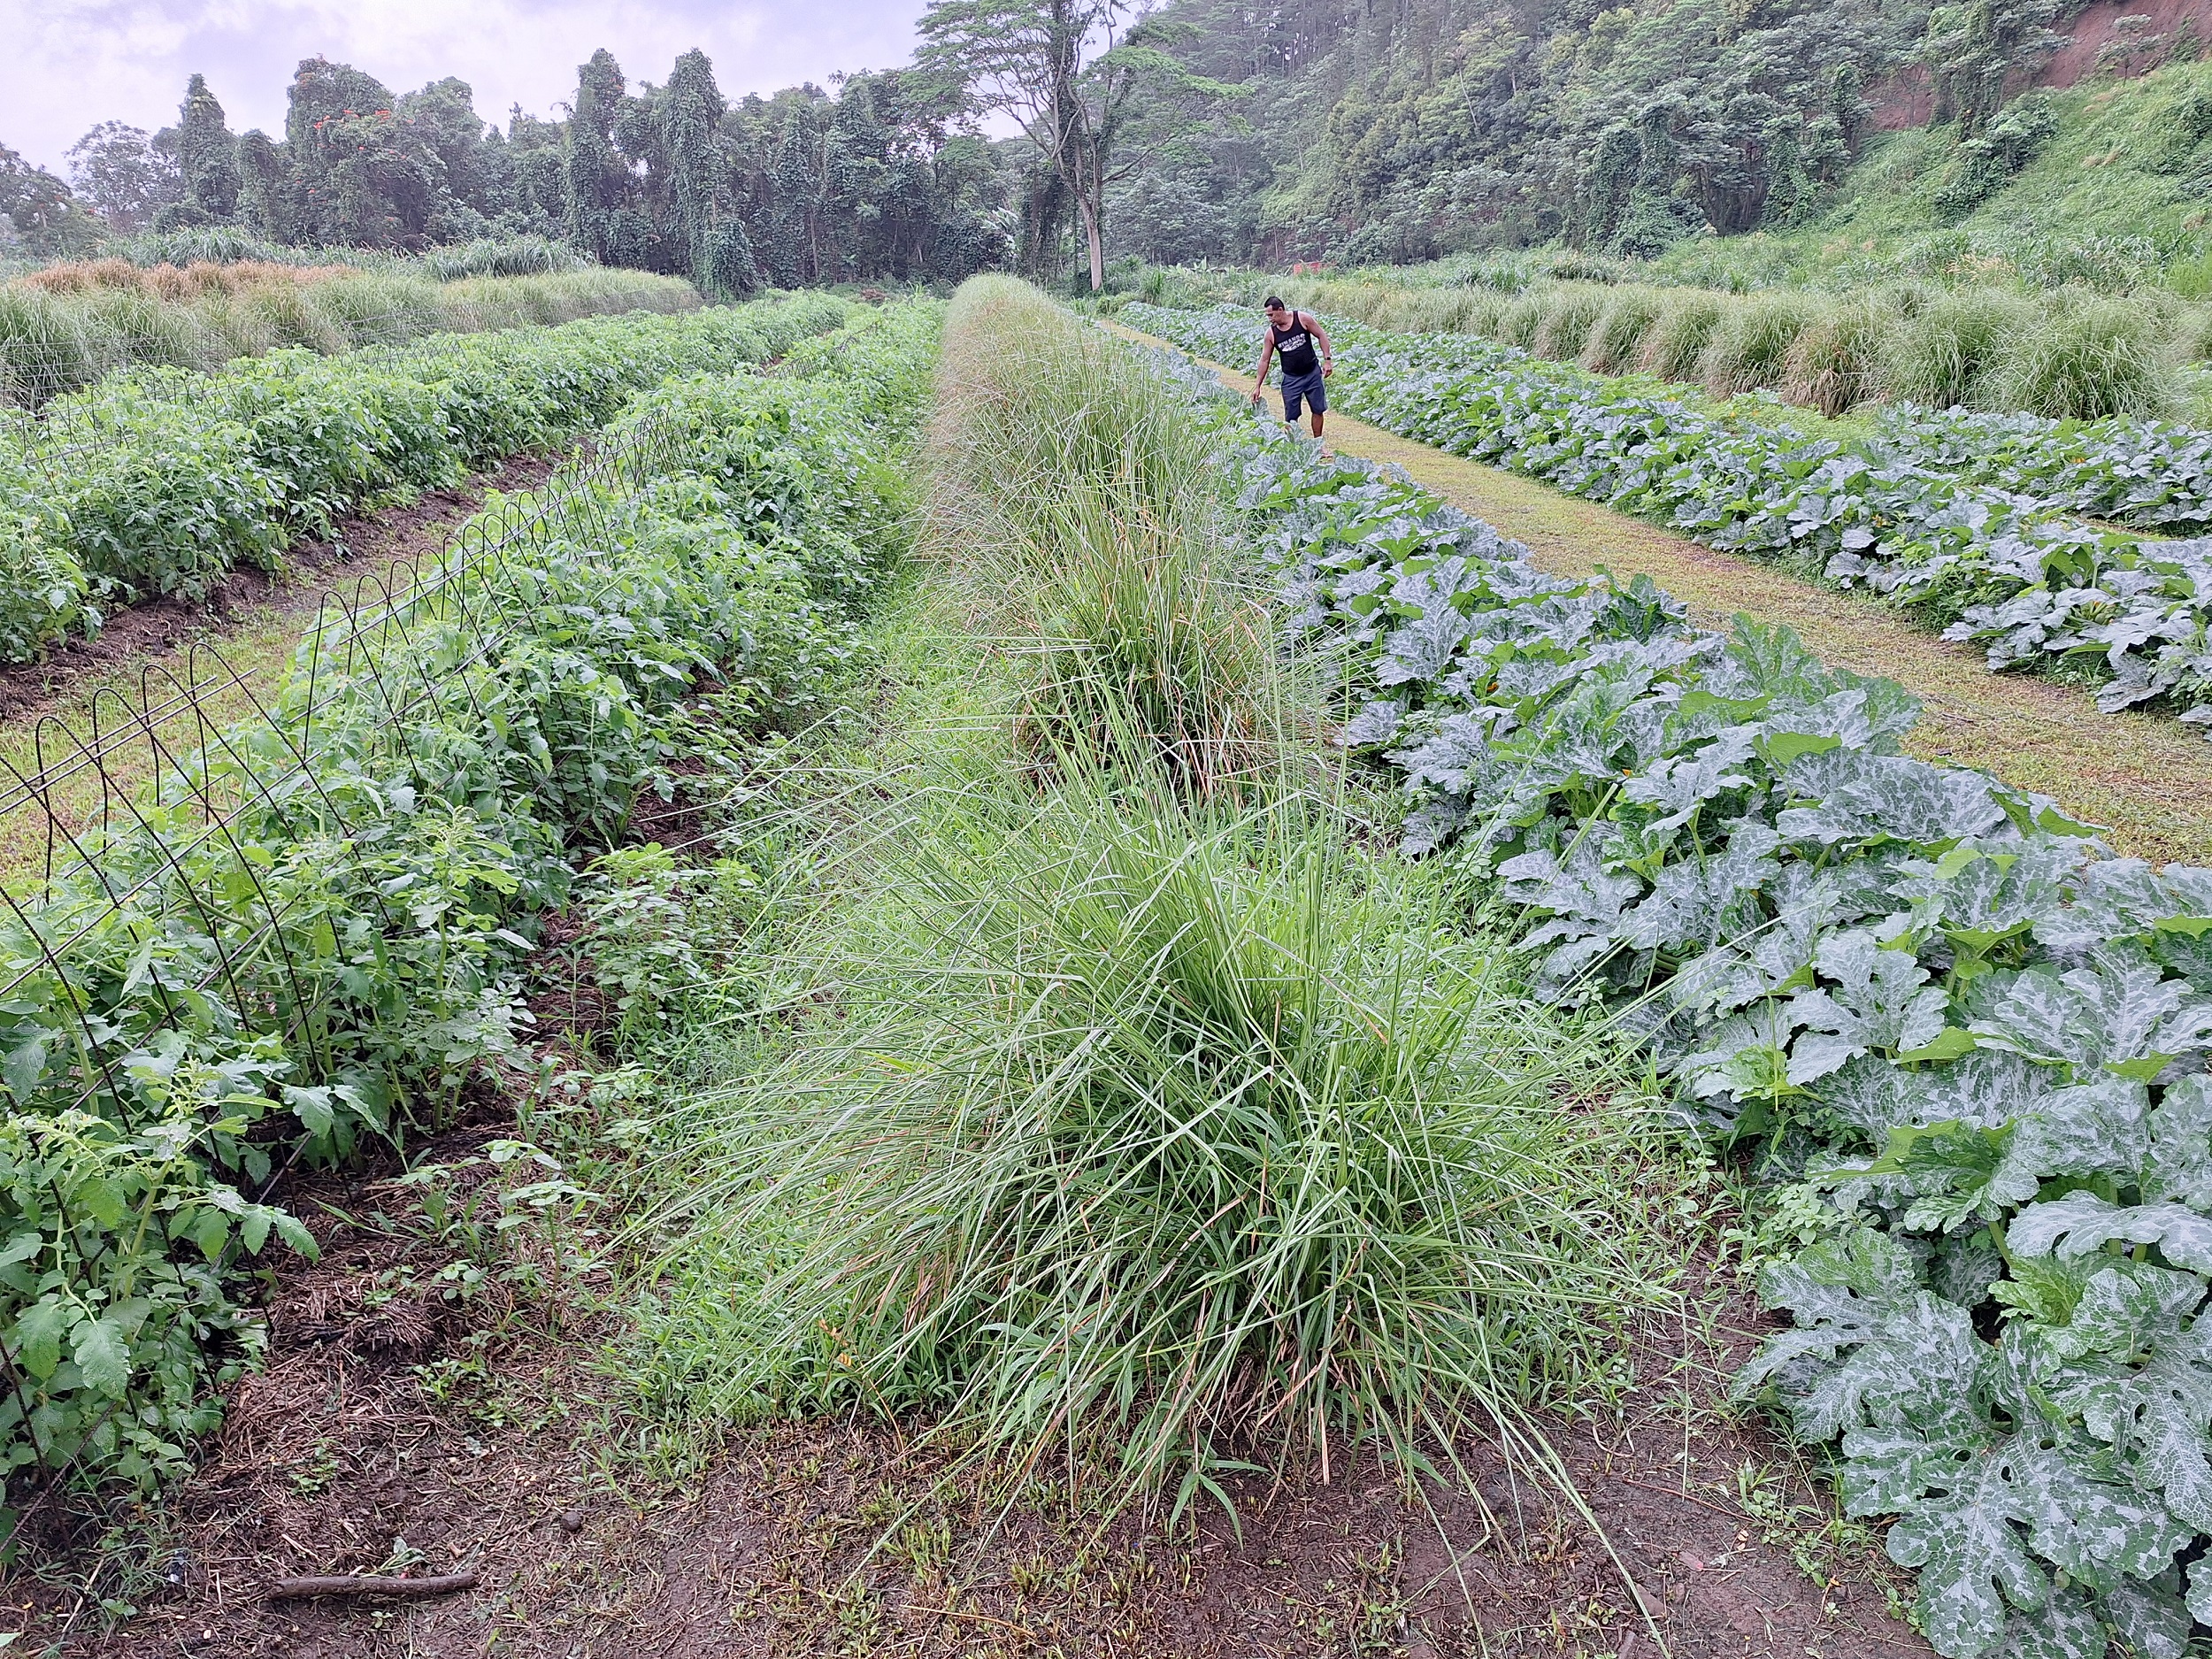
<point>1970,1042</point>
<point>2018,575</point>
<point>191,1009</point>
<point>161,481</point>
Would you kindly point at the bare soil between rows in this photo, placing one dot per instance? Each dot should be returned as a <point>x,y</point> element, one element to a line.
<point>312,571</point>
<point>406,1419</point>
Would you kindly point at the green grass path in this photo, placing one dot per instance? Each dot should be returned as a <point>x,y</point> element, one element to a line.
<point>2146,776</point>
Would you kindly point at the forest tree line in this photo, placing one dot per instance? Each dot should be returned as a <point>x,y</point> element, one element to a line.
<point>873,181</point>
<point>1350,130</point>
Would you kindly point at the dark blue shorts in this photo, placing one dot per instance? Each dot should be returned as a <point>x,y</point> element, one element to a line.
<point>1304,389</point>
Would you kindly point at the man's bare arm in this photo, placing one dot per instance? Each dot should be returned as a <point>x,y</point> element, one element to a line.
<point>1267,356</point>
<point>1314,328</point>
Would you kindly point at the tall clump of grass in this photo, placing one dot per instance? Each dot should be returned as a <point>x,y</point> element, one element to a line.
<point>1571,311</point>
<point>1675,341</point>
<point>136,327</point>
<point>1836,364</point>
<point>43,347</point>
<point>281,314</point>
<point>1947,353</point>
<point>1619,337</point>
<point>2097,357</point>
<point>1751,347</point>
<point>1080,490</point>
<point>1204,1142</point>
<point>374,308</point>
<point>1520,319</point>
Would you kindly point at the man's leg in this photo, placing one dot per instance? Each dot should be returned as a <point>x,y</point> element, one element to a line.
<point>1316,421</point>
<point>1292,403</point>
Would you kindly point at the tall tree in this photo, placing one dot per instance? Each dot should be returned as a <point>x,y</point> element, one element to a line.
<point>691,111</point>
<point>598,182</point>
<point>123,175</point>
<point>207,156</point>
<point>1067,71</point>
<point>37,210</point>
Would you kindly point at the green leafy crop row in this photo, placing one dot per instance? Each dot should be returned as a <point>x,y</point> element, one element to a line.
<point>200,998</point>
<point>2008,569</point>
<point>158,482</point>
<point>1975,1041</point>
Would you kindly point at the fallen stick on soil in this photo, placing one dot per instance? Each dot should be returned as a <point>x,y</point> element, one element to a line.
<point>348,1584</point>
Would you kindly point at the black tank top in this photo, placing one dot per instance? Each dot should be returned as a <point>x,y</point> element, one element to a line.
<point>1294,346</point>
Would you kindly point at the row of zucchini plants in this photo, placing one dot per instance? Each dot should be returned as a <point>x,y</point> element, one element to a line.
<point>2151,474</point>
<point>160,480</point>
<point>2021,576</point>
<point>1970,1041</point>
<point>190,1010</point>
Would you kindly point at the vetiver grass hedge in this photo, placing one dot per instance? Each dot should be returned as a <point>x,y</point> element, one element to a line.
<point>1972,1042</point>
<point>1119,1107</point>
<point>191,1012</point>
<point>159,481</point>
<point>2071,355</point>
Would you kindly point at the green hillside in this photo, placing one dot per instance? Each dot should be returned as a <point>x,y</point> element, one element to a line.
<point>2105,184</point>
<point>1655,129</point>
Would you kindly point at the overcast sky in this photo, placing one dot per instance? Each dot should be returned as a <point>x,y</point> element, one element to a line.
<point>66,64</point>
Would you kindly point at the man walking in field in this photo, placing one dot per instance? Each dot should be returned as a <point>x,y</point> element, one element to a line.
<point>1292,335</point>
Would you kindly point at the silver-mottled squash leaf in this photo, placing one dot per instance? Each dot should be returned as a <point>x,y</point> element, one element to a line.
<point>2082,1222</point>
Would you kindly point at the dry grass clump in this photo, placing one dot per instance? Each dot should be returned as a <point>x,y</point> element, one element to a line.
<point>195,280</point>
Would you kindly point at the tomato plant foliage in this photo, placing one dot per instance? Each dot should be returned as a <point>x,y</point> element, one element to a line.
<point>193,1005</point>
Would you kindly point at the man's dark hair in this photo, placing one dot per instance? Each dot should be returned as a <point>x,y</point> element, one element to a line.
<point>1271,303</point>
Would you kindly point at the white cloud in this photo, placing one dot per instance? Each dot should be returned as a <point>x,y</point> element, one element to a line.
<point>69,64</point>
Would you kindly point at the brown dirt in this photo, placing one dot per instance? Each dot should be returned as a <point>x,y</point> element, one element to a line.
<point>137,634</point>
<point>1906,97</point>
<point>483,1439</point>
<point>2096,26</point>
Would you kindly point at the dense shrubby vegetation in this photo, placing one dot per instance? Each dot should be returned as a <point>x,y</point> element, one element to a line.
<point>872,183</point>
<point>159,481</point>
<point>1994,564</point>
<point>1972,1038</point>
<point>417,793</point>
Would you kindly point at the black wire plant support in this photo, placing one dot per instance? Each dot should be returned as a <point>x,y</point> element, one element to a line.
<point>157,775</point>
